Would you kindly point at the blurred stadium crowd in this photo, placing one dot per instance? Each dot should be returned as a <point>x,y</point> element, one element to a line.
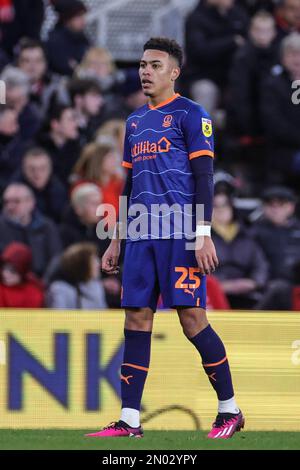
<point>61,138</point>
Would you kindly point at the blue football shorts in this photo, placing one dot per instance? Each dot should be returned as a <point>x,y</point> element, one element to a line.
<point>154,267</point>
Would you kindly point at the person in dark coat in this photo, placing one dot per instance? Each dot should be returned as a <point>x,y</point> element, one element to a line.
<point>60,138</point>
<point>278,232</point>
<point>80,224</point>
<point>213,32</point>
<point>67,42</point>
<point>11,145</point>
<point>19,287</point>
<point>17,96</point>
<point>80,219</point>
<point>280,114</point>
<point>243,269</point>
<point>21,18</point>
<point>251,65</point>
<point>87,101</point>
<point>20,221</point>
<point>31,59</point>
<point>36,173</point>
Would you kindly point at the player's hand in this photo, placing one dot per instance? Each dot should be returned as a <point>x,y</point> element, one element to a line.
<point>110,258</point>
<point>206,255</point>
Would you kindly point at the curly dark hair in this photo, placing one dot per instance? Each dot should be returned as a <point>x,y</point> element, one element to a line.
<point>167,45</point>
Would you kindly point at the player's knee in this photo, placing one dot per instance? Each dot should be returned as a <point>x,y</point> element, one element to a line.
<point>192,323</point>
<point>139,320</point>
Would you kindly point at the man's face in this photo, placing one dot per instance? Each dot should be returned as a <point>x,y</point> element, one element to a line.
<point>262,32</point>
<point>9,123</point>
<point>88,209</point>
<point>33,63</point>
<point>37,170</point>
<point>16,97</point>
<point>158,71</point>
<point>17,203</point>
<point>67,125</point>
<point>290,11</point>
<point>77,24</point>
<point>91,103</point>
<point>291,61</point>
<point>279,211</point>
<point>10,277</point>
<point>222,213</point>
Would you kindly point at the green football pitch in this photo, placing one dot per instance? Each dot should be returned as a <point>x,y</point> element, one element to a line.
<point>153,440</point>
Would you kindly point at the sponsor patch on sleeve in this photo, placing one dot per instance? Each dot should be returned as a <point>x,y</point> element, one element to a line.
<point>206,127</point>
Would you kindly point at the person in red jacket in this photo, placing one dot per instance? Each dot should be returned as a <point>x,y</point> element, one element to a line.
<point>19,288</point>
<point>215,297</point>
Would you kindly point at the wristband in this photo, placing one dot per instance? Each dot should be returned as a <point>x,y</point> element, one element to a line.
<point>203,231</point>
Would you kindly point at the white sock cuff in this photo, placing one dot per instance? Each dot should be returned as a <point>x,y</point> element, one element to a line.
<point>228,406</point>
<point>131,417</point>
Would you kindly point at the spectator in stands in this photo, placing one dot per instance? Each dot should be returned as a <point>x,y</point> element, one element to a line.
<point>31,60</point>
<point>20,18</point>
<point>87,101</point>
<point>131,92</point>
<point>19,288</point>
<point>207,94</point>
<point>215,296</point>
<point>278,233</point>
<point>60,138</point>
<point>213,32</point>
<point>17,97</point>
<point>281,117</point>
<point>100,164</point>
<point>79,285</point>
<point>251,65</point>
<point>11,145</point>
<point>98,64</point>
<point>67,42</point>
<point>80,224</point>
<point>80,220</point>
<point>20,221</point>
<point>287,17</point>
<point>36,172</point>
<point>243,269</point>
<point>112,132</point>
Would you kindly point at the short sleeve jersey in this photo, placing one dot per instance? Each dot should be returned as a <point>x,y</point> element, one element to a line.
<point>159,144</point>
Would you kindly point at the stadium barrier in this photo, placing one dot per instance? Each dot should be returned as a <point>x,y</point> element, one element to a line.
<point>60,369</point>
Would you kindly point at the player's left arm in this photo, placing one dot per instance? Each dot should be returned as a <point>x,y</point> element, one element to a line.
<point>205,252</point>
<point>197,128</point>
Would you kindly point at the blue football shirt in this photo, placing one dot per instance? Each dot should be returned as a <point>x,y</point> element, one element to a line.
<point>159,143</point>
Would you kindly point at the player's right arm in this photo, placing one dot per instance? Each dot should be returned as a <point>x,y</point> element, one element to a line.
<point>110,259</point>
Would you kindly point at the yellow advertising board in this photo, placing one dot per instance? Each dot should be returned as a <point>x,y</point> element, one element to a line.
<point>60,369</point>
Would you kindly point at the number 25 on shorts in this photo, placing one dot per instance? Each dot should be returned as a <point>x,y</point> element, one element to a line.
<point>188,274</point>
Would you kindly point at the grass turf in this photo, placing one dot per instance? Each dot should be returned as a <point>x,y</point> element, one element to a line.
<point>153,440</point>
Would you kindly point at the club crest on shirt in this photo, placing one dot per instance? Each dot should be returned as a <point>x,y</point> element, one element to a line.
<point>167,120</point>
<point>206,127</point>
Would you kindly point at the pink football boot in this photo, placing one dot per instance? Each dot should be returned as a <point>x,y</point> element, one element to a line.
<point>118,429</point>
<point>226,425</point>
